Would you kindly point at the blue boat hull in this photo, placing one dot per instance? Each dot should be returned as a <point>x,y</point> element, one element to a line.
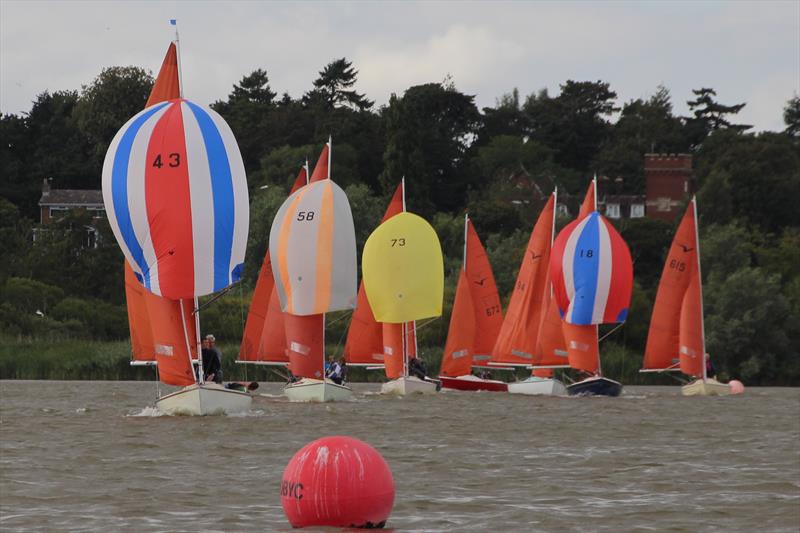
<point>595,386</point>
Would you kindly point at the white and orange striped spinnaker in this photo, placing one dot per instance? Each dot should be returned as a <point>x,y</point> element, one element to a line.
<point>313,243</point>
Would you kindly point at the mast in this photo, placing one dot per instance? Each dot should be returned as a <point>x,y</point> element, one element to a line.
<point>405,324</point>
<point>596,327</point>
<point>464,262</point>
<point>174,22</point>
<point>700,284</point>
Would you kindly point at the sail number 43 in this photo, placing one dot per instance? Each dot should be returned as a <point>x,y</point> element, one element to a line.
<point>173,160</point>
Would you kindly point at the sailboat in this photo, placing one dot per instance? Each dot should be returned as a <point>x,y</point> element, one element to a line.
<point>313,242</point>
<point>403,272</point>
<point>676,339</point>
<point>172,257</point>
<point>264,339</point>
<point>518,343</point>
<point>364,345</point>
<point>592,274</point>
<point>475,321</point>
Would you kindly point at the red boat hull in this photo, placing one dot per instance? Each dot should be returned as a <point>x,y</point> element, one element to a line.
<point>472,383</point>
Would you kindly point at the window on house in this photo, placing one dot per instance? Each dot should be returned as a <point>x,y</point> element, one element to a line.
<point>637,210</point>
<point>612,210</point>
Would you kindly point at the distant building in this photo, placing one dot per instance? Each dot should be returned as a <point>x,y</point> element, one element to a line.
<point>55,203</point>
<point>669,184</point>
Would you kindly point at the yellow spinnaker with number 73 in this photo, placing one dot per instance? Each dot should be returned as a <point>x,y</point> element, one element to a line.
<point>403,270</point>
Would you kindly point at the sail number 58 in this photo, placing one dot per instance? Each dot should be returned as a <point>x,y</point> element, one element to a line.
<point>305,215</point>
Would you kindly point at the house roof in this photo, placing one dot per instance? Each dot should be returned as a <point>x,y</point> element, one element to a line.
<point>72,197</point>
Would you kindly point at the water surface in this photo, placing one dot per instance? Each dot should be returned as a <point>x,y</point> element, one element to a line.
<point>91,456</point>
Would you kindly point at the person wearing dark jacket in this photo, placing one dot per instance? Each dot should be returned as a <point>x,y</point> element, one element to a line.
<point>212,360</point>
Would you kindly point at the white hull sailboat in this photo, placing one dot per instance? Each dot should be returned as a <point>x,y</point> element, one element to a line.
<point>536,386</point>
<point>203,399</point>
<point>676,339</point>
<point>409,385</point>
<point>707,387</point>
<point>317,390</point>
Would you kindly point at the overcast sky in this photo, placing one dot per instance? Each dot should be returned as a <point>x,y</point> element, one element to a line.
<point>747,51</point>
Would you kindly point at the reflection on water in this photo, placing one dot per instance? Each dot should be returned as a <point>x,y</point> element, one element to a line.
<point>92,456</point>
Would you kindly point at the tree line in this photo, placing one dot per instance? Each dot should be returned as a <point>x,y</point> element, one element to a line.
<point>456,158</point>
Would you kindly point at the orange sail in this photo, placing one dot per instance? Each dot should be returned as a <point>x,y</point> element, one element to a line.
<point>322,170</point>
<point>518,336</point>
<point>264,336</point>
<point>393,348</point>
<point>477,316</point>
<point>364,343</point>
<point>167,85</point>
<point>675,339</point>
<point>582,347</point>
<point>485,299</point>
<point>305,340</point>
<point>458,350</point>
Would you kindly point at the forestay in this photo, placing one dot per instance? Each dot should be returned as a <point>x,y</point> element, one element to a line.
<point>175,192</point>
<point>313,245</point>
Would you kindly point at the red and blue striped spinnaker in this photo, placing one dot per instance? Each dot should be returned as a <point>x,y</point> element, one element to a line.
<point>592,272</point>
<point>175,193</point>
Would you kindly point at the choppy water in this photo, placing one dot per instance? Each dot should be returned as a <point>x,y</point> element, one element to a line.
<point>88,456</point>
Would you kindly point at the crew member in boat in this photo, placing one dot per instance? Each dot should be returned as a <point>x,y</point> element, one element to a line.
<point>417,368</point>
<point>710,370</point>
<point>343,367</point>
<point>212,360</point>
<point>334,372</point>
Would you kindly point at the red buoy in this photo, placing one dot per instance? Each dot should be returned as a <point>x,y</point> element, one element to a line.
<point>337,481</point>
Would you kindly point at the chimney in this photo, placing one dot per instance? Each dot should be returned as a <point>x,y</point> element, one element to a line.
<point>46,187</point>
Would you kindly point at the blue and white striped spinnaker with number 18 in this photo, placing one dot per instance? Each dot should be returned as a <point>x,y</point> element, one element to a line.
<point>175,192</point>
<point>592,272</point>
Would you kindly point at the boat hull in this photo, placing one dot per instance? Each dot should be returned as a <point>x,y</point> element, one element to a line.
<point>316,390</point>
<point>205,399</point>
<point>709,387</point>
<point>409,385</point>
<point>473,383</point>
<point>595,386</point>
<point>536,386</point>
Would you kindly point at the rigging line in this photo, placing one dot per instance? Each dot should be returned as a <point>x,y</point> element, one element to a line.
<point>216,297</point>
<point>241,314</point>
<point>610,332</point>
<point>418,327</point>
<point>340,318</point>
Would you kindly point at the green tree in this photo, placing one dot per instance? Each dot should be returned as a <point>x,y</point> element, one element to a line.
<point>247,112</point>
<point>709,116</point>
<point>113,97</point>
<point>428,133</point>
<point>574,123</point>
<point>643,127</point>
<point>791,116</point>
<point>334,88</point>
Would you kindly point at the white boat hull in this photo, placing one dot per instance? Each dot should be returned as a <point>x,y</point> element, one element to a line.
<point>536,386</point>
<point>709,387</point>
<point>205,399</point>
<point>315,390</point>
<point>408,385</point>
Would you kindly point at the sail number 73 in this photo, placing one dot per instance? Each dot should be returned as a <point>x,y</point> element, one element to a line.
<point>398,242</point>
